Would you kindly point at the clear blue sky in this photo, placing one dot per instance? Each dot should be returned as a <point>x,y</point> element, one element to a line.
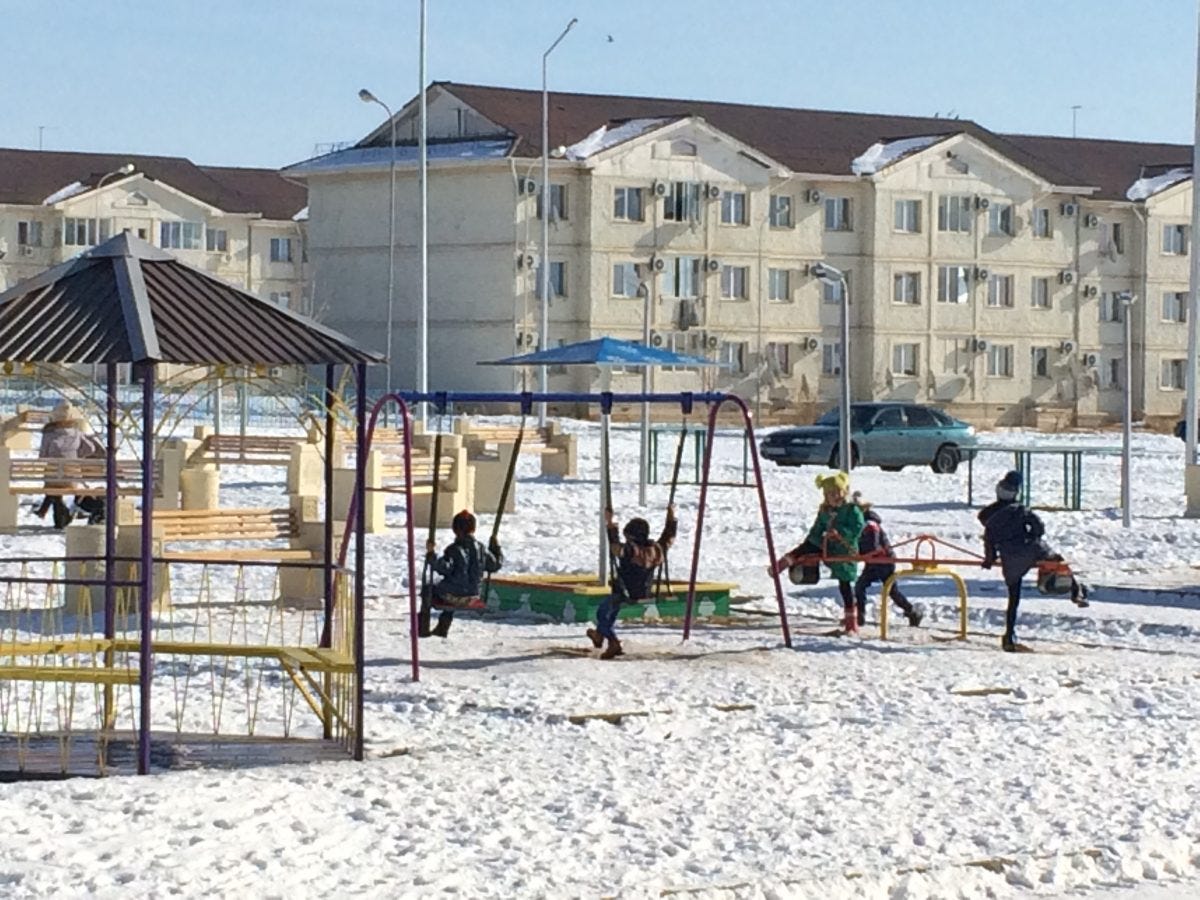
<point>261,82</point>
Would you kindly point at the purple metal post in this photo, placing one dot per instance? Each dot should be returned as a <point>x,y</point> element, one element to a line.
<point>147,598</point>
<point>360,552</point>
<point>110,522</point>
<point>330,425</point>
<point>714,408</point>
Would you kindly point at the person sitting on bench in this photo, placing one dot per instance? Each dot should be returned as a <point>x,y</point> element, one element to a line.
<point>65,437</point>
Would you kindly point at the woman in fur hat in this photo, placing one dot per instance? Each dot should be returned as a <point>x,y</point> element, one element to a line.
<point>66,436</point>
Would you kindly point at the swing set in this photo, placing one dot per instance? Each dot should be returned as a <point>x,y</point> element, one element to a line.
<point>440,400</point>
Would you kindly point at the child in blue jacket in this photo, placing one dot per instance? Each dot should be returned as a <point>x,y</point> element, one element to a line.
<point>462,566</point>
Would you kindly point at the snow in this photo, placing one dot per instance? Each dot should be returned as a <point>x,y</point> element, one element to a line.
<point>838,769</point>
<point>605,137</point>
<point>301,216</point>
<point>882,154</point>
<point>64,193</point>
<point>405,155</point>
<point>1145,188</point>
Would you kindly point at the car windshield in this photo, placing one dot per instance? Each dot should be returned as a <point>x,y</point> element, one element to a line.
<point>859,415</point>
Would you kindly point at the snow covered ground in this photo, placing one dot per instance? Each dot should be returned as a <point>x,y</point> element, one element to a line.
<point>737,768</point>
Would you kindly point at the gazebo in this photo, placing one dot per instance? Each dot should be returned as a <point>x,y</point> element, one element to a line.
<point>127,302</point>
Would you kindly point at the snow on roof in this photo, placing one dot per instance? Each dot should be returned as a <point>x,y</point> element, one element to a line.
<point>604,137</point>
<point>406,154</point>
<point>882,154</point>
<point>301,216</point>
<point>1148,187</point>
<point>63,193</point>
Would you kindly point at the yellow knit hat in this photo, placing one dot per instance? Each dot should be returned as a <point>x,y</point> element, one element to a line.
<point>839,480</point>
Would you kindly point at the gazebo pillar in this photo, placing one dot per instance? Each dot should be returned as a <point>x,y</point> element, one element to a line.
<point>145,604</point>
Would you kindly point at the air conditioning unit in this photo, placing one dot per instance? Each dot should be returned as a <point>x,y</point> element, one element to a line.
<point>813,195</point>
<point>811,343</point>
<point>657,263</point>
<point>527,186</point>
<point>1091,360</point>
<point>656,339</point>
<point>1069,209</point>
<point>711,341</point>
<point>713,265</point>
<point>979,345</point>
<point>26,250</point>
<point>659,188</point>
<point>526,339</point>
<point>1066,277</point>
<point>1091,291</point>
<point>1091,220</point>
<point>275,372</point>
<point>981,274</point>
<point>1066,347</point>
<point>982,203</point>
<point>714,192</point>
<point>525,261</point>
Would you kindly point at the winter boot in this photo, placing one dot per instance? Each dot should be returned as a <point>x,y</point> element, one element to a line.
<point>442,629</point>
<point>612,650</point>
<point>423,622</point>
<point>595,638</point>
<point>914,616</point>
<point>850,621</point>
<point>1008,643</point>
<point>862,614</point>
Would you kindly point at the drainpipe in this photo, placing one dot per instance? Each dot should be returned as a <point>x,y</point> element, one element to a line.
<point>1140,407</point>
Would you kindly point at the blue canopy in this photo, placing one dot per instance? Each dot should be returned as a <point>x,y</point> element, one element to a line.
<point>603,351</point>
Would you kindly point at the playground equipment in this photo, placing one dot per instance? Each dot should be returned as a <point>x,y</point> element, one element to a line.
<point>78,687</point>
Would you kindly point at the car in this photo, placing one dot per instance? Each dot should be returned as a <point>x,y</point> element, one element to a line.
<point>888,435</point>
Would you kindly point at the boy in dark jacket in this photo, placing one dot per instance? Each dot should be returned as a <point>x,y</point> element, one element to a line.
<point>462,567</point>
<point>637,559</point>
<point>874,542</point>
<point>1015,534</point>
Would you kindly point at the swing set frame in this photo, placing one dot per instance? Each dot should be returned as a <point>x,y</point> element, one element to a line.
<point>405,401</point>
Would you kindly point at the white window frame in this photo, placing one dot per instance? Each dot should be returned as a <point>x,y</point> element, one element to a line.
<point>906,217</point>
<point>779,285</point>
<point>682,277</point>
<point>906,359</point>
<point>281,298</point>
<point>1039,292</point>
<point>732,354</point>
<point>79,232</point>
<point>1111,309</point>
<point>1111,373</point>
<point>839,214</point>
<point>181,235</point>
<point>281,250</point>
<point>682,202</point>
<point>906,288</point>
<point>216,240</point>
<point>624,283</point>
<point>1000,291</point>
<point>954,277</point>
<point>1039,362</point>
<point>1174,306</point>
<point>735,282</point>
<point>1000,361</point>
<point>558,203</point>
<point>558,278</point>
<point>955,213</point>
<point>1039,221</point>
<point>1174,240</point>
<point>1172,374</point>
<point>831,291</point>
<point>629,204</point>
<point>781,211</point>
<point>29,233</point>
<point>831,357</point>
<point>735,208</point>
<point>1000,219</point>
<point>781,353</point>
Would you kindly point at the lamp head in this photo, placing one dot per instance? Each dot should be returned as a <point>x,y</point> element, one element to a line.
<point>126,169</point>
<point>827,273</point>
<point>366,96</point>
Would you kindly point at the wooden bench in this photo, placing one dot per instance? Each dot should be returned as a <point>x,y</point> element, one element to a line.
<point>245,450</point>
<point>536,440</point>
<point>64,477</point>
<point>210,525</point>
<point>559,451</point>
<point>16,432</point>
<point>422,473</point>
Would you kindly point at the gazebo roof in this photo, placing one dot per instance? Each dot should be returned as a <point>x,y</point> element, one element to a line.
<point>126,301</point>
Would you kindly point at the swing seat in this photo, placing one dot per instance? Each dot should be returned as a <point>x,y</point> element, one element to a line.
<point>803,574</point>
<point>1054,579</point>
<point>453,601</point>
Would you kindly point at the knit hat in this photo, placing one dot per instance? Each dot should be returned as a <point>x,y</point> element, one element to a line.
<point>638,531</point>
<point>838,480</point>
<point>463,522</point>
<point>65,411</point>
<point>1009,486</point>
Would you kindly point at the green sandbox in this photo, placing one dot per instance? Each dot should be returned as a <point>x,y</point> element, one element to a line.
<point>574,598</point>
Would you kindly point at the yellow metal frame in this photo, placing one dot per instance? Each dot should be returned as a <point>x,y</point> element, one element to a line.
<point>923,570</point>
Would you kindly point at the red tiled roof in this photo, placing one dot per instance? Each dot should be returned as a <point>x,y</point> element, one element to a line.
<point>30,176</point>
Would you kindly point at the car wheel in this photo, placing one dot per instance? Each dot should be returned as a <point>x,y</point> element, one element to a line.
<point>892,468</point>
<point>945,461</point>
<point>835,454</point>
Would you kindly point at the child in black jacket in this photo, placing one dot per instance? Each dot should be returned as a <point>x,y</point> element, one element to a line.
<point>462,567</point>
<point>874,542</point>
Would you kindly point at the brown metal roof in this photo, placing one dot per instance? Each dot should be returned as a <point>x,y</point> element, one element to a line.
<point>127,301</point>
<point>30,176</point>
<point>1110,166</point>
<point>805,140</point>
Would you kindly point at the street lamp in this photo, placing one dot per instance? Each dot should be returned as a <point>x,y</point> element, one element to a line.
<point>827,274</point>
<point>367,97</point>
<point>544,325</point>
<point>643,289</point>
<point>127,169</point>
<point>1127,299</point>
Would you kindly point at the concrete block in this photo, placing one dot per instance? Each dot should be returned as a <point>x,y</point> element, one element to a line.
<point>306,470</point>
<point>200,488</point>
<point>343,490</point>
<point>489,472</point>
<point>1191,489</point>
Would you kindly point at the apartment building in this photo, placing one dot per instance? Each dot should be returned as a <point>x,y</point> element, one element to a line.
<point>246,226</point>
<point>985,272</point>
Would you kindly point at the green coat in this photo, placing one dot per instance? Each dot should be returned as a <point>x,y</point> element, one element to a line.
<point>839,538</point>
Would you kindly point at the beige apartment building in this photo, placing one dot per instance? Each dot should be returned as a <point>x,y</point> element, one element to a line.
<point>985,271</point>
<point>246,226</point>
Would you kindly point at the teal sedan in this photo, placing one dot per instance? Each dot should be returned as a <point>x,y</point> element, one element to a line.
<point>888,435</point>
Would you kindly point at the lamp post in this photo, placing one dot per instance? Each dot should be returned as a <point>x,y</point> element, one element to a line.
<point>124,170</point>
<point>544,325</point>
<point>367,97</point>
<point>643,289</point>
<point>827,274</point>
<point>1127,299</point>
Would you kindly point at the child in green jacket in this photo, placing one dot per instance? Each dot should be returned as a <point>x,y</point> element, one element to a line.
<point>835,533</point>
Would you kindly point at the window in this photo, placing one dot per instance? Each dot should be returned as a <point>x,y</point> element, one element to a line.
<point>733,208</point>
<point>281,298</point>
<point>908,216</point>
<point>1174,374</point>
<point>83,232</point>
<point>676,342</point>
<point>1110,375</point>
<point>1000,291</point>
<point>833,292</point>
<point>953,284</point>
<point>779,357</point>
<point>781,211</point>
<point>959,357</point>
<point>889,417</point>
<point>1174,241</point>
<point>906,288</point>
<point>216,240</point>
<point>558,203</point>
<point>733,282</point>
<point>1000,219</point>
<point>558,279</point>
<point>779,285</point>
<point>904,359</point>
<point>954,213</point>
<point>681,147</point>
<point>682,202</point>
<point>281,249</point>
<point>733,356</point>
<point>627,204</point>
<point>29,234</point>
<point>831,357</point>
<point>624,280</point>
<point>1118,237</point>
<point>1174,306</point>
<point>1041,222</point>
<point>1111,307</point>
<point>920,417</point>
<point>837,214</point>
<point>1039,294</point>
<point>1000,360</point>
<point>1040,362</point>
<point>181,235</point>
<point>682,277</point>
